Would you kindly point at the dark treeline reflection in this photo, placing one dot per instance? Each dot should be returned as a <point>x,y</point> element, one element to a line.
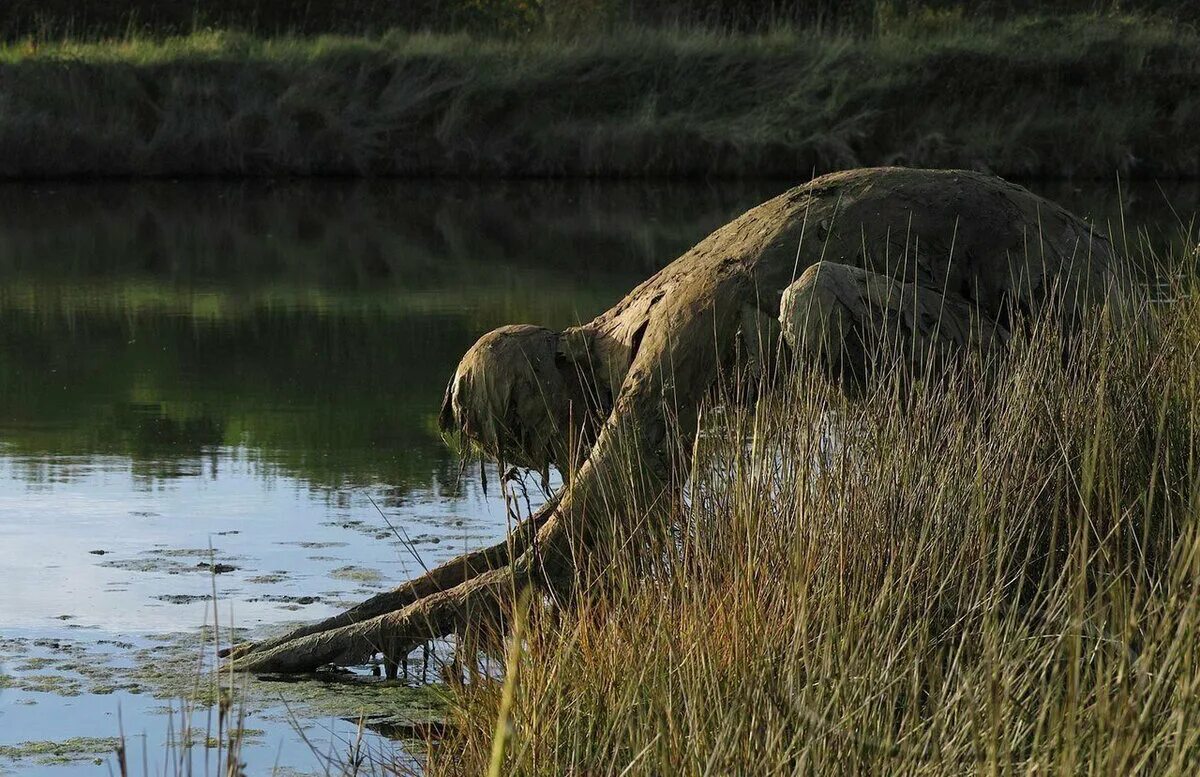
<point>314,324</point>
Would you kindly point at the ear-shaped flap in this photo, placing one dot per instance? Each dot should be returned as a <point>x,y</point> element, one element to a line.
<point>575,346</point>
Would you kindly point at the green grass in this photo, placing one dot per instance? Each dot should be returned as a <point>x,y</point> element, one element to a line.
<point>979,577</point>
<point>1071,96</point>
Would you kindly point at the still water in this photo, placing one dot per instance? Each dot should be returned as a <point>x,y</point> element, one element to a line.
<point>248,375</point>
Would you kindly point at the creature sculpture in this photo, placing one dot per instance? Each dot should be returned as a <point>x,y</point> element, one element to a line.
<point>945,260</point>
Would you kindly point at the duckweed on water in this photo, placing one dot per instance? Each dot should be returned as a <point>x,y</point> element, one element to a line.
<point>67,751</point>
<point>165,668</point>
<point>246,735</point>
<point>36,663</point>
<point>175,561</point>
<point>270,578</point>
<point>357,574</point>
<point>59,685</point>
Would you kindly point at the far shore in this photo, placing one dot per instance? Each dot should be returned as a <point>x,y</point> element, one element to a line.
<point>1075,97</point>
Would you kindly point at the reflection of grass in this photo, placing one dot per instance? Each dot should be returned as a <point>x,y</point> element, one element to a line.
<point>478,299</point>
<point>1007,96</point>
<point>985,575</point>
<point>309,327</point>
<point>334,400</point>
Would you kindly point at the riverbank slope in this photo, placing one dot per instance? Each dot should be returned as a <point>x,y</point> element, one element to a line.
<point>1067,97</point>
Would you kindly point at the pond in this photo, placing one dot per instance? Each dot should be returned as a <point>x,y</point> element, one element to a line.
<point>232,388</point>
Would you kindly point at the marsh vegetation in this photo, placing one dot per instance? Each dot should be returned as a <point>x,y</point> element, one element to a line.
<point>968,575</point>
<point>1006,96</point>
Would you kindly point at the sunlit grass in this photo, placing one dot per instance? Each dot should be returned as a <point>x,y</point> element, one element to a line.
<point>1004,96</point>
<point>994,573</point>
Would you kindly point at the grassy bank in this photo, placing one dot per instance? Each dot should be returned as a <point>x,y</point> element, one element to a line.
<point>1076,96</point>
<point>968,581</point>
<point>512,18</point>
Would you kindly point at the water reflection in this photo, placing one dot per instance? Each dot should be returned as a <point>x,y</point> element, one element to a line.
<point>252,366</point>
<point>315,323</point>
<point>312,324</point>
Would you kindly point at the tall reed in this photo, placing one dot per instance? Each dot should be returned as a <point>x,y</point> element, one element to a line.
<point>990,572</point>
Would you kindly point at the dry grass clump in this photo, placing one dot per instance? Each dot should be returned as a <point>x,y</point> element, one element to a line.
<point>977,575</point>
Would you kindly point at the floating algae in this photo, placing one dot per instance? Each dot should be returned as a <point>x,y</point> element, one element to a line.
<point>64,752</point>
<point>269,578</point>
<point>358,575</point>
<point>174,561</point>
<point>167,667</point>
<point>59,685</point>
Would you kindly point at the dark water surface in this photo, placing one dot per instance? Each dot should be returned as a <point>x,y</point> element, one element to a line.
<point>256,367</point>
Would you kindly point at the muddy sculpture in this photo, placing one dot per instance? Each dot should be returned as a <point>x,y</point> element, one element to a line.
<point>942,260</point>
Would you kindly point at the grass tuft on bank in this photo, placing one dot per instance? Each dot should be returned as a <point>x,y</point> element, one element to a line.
<point>1083,96</point>
<point>968,578</point>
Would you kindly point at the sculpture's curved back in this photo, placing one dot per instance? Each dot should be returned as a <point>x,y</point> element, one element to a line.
<point>970,246</point>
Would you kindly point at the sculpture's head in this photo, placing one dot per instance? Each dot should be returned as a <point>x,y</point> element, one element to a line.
<point>520,397</point>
